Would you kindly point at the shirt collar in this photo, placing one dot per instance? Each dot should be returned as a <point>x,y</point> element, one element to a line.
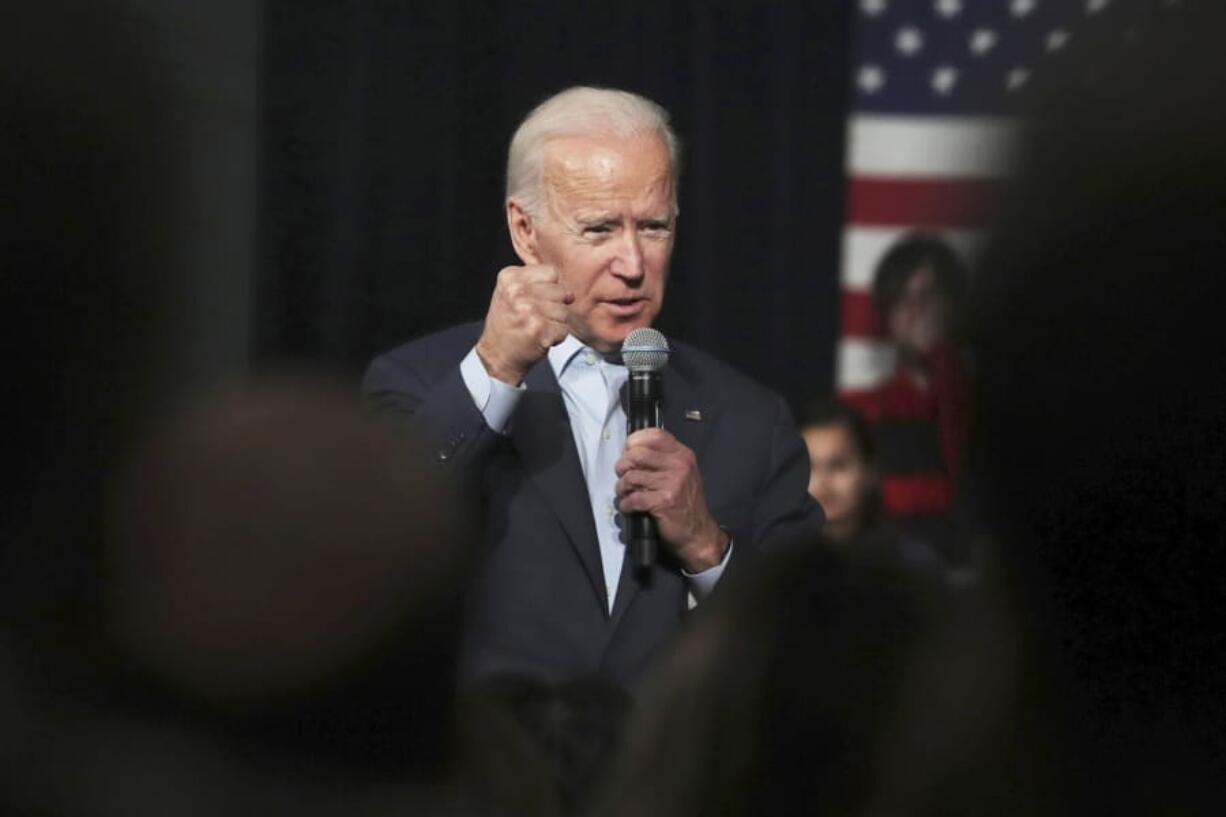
<point>560,356</point>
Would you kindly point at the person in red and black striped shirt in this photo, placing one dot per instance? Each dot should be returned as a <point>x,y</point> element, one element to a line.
<point>920,415</point>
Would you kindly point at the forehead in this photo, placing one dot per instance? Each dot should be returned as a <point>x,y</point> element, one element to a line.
<point>828,440</point>
<point>604,169</point>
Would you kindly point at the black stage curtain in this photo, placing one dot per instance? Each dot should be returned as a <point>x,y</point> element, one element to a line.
<point>387,125</point>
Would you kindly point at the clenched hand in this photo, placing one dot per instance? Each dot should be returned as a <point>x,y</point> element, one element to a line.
<point>527,315</point>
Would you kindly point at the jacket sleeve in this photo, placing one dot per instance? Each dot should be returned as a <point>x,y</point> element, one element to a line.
<point>784,512</point>
<point>438,410</point>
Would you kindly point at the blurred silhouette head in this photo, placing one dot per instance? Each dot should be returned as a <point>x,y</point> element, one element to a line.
<point>827,684</point>
<point>1103,434</point>
<point>281,557</point>
<point>575,726</point>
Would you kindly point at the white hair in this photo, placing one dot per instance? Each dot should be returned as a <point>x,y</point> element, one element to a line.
<point>582,111</point>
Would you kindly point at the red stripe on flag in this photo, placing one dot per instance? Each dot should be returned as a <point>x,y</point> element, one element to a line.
<point>930,202</point>
<point>860,316</point>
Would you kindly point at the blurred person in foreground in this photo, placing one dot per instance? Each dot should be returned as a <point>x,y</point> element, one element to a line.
<point>1104,408</point>
<point>920,414</point>
<point>574,726</point>
<point>1086,677</point>
<point>245,604</point>
<point>526,406</point>
<point>835,681</point>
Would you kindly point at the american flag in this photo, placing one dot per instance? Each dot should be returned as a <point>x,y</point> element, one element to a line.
<point>938,85</point>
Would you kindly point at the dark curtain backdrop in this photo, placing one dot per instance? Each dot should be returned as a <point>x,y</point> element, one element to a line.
<point>385,143</point>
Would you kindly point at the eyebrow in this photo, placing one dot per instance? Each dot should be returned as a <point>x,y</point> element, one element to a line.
<point>590,219</point>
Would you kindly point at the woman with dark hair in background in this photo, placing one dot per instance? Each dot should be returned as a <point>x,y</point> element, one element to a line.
<point>920,415</point>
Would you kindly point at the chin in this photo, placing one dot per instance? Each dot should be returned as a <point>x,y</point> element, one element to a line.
<point>612,337</point>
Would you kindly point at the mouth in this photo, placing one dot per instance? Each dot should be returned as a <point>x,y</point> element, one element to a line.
<point>625,307</point>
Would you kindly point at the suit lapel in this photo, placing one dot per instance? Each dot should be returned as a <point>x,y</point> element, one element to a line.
<point>688,413</point>
<point>689,417</point>
<point>541,433</point>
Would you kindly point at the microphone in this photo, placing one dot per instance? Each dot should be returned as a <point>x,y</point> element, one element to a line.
<point>645,353</point>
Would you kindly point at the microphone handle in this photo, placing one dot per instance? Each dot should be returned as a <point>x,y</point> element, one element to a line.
<point>644,404</point>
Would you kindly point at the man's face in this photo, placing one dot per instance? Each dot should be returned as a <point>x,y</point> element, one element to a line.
<point>608,231</point>
<point>839,478</point>
<point>919,322</point>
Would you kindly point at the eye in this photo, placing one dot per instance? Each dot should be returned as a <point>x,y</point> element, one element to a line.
<point>655,226</point>
<point>598,229</point>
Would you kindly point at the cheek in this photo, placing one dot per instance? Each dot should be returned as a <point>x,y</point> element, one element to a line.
<point>843,489</point>
<point>824,487</point>
<point>578,275</point>
<point>657,257</point>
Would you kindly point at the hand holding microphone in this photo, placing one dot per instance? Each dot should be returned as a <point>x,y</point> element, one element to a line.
<point>659,486</point>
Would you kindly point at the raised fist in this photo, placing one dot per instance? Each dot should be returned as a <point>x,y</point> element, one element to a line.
<point>527,315</point>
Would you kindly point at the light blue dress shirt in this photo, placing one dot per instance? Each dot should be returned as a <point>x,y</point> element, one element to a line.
<point>591,389</point>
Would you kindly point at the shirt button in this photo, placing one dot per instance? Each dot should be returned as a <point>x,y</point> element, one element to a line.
<point>608,435</point>
<point>608,508</point>
<point>589,359</point>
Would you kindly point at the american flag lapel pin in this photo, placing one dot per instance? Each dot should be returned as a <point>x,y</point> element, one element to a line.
<point>693,414</point>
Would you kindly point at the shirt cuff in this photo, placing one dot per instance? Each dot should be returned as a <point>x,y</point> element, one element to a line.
<point>701,584</point>
<point>494,399</point>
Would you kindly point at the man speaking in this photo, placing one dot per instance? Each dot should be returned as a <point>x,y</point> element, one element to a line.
<point>528,406</point>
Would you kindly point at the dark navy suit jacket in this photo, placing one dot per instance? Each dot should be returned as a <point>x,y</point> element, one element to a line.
<point>540,605</point>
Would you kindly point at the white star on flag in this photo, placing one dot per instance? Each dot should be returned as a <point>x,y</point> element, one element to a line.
<point>1020,8</point>
<point>909,41</point>
<point>944,79</point>
<point>948,8</point>
<point>872,7</point>
<point>982,41</point>
<point>870,79</point>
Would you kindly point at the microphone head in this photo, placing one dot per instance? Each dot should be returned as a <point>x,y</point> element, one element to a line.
<point>645,350</point>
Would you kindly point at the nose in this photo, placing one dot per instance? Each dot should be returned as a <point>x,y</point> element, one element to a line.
<point>629,262</point>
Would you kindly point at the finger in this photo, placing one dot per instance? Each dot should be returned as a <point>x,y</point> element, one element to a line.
<point>549,332</point>
<point>638,479</point>
<point>637,502</point>
<point>545,292</point>
<point>646,501</point>
<point>558,332</point>
<point>538,274</point>
<point>656,439</point>
<point>554,311</point>
<point>643,458</point>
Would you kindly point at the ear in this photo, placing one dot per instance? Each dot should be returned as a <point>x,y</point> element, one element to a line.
<point>523,232</point>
